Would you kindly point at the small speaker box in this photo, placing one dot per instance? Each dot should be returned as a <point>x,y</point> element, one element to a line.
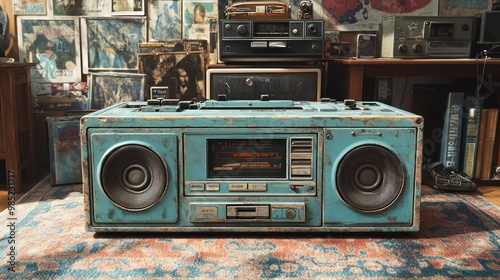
<point>299,84</point>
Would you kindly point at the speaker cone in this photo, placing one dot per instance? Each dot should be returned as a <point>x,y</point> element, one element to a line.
<point>370,178</point>
<point>134,177</point>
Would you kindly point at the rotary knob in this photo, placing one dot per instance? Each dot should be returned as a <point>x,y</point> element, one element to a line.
<point>290,213</point>
<point>312,28</point>
<point>402,48</point>
<point>242,29</point>
<point>417,48</point>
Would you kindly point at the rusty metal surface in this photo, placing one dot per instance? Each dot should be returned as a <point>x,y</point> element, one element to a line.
<point>193,202</point>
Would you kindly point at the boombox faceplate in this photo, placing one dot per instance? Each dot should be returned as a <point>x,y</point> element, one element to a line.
<point>253,166</point>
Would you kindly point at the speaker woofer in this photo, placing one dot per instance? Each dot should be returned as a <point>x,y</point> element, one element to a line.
<point>370,178</point>
<point>134,177</point>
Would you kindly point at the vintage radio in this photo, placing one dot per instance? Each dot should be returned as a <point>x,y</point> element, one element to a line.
<point>251,165</point>
<point>426,36</point>
<point>258,10</point>
<point>270,40</point>
<point>299,84</point>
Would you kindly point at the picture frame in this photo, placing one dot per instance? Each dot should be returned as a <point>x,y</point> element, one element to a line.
<point>182,72</point>
<point>174,45</point>
<point>30,7</point>
<point>53,43</point>
<point>79,8</point>
<point>108,88</point>
<point>127,7</point>
<point>111,43</point>
<point>165,19</point>
<point>200,21</point>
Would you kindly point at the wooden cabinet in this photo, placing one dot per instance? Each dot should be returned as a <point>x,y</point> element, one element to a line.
<point>349,74</point>
<point>16,123</point>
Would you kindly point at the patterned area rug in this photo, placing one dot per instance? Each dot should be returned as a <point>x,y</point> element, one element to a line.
<point>459,238</point>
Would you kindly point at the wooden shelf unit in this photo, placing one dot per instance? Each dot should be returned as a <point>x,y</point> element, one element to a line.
<point>16,122</point>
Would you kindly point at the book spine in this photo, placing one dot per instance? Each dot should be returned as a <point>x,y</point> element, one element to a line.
<point>450,146</point>
<point>480,143</point>
<point>489,144</point>
<point>470,134</point>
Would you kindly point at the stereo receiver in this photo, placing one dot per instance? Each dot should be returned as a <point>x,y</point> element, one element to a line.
<point>265,40</point>
<point>427,36</point>
<point>251,165</point>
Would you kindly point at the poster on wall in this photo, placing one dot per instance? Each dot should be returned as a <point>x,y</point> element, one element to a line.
<point>53,44</point>
<point>127,7</point>
<point>111,43</point>
<point>358,15</point>
<point>109,88</point>
<point>463,8</point>
<point>30,7</point>
<point>165,20</point>
<point>182,73</point>
<point>79,8</point>
<point>200,18</point>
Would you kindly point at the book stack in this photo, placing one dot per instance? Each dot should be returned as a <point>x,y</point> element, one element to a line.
<point>461,130</point>
<point>470,141</point>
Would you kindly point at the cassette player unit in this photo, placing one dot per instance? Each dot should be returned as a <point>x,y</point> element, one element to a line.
<point>251,165</point>
<point>276,40</point>
<point>427,36</point>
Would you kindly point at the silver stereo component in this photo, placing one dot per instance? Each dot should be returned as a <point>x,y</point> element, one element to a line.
<point>427,37</point>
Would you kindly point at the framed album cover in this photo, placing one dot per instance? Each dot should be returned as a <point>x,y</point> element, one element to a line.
<point>183,73</point>
<point>200,22</point>
<point>111,43</point>
<point>53,44</point>
<point>108,88</point>
<point>79,8</point>
<point>30,7</point>
<point>127,7</point>
<point>164,19</point>
<point>183,45</point>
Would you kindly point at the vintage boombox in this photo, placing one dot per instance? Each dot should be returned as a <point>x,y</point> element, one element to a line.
<point>299,84</point>
<point>251,165</point>
<point>270,40</point>
<point>427,36</point>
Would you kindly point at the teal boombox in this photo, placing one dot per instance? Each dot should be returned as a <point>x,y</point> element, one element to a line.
<point>251,166</point>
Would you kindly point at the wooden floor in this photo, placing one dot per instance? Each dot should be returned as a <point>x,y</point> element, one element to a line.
<point>491,193</point>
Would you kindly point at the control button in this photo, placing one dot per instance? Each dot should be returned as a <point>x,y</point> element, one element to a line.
<point>417,48</point>
<point>261,187</point>
<point>237,187</point>
<point>206,212</point>
<point>242,30</point>
<point>295,31</point>
<point>402,48</point>
<point>212,187</point>
<point>301,171</point>
<point>197,187</point>
<point>290,213</point>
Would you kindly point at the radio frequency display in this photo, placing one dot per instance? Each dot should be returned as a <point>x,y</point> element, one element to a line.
<point>246,158</point>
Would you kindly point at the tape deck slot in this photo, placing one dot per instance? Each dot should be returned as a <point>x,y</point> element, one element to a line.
<point>247,212</point>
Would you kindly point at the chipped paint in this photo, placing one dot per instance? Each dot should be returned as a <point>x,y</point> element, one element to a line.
<point>180,136</point>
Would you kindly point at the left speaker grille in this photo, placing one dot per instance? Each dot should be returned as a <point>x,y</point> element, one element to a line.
<point>134,177</point>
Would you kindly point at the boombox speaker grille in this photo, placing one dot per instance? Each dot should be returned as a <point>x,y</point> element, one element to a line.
<point>370,178</point>
<point>134,177</point>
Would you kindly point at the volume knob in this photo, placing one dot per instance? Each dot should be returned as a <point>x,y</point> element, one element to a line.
<point>242,29</point>
<point>402,48</point>
<point>417,48</point>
